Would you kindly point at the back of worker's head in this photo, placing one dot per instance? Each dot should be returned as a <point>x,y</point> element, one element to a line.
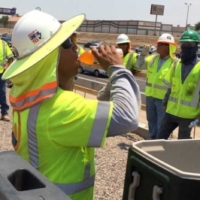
<point>124,43</point>
<point>166,45</point>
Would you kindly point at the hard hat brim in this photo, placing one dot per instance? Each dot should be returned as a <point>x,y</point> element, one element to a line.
<point>188,40</point>
<point>163,41</point>
<point>65,31</point>
<point>123,42</point>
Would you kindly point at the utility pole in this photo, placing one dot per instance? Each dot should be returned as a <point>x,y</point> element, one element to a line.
<point>188,8</point>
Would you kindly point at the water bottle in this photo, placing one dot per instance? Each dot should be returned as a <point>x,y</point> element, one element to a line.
<point>194,123</point>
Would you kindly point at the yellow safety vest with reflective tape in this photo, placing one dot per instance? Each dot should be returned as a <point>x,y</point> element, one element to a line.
<point>129,61</point>
<point>184,100</point>
<point>2,55</point>
<point>58,137</point>
<point>154,84</point>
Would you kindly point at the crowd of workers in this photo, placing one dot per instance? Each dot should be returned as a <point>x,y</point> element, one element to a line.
<point>56,130</point>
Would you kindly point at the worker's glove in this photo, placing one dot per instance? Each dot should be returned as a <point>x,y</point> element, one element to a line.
<point>145,51</point>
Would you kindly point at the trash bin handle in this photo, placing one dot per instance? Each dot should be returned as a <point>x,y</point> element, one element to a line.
<point>137,161</point>
<point>134,185</point>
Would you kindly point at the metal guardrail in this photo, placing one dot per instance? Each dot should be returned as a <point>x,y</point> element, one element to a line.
<point>95,92</point>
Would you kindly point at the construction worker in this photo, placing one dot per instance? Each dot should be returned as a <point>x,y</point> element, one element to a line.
<point>157,66</point>
<point>54,129</point>
<point>129,61</point>
<point>129,58</point>
<point>183,80</point>
<point>6,58</point>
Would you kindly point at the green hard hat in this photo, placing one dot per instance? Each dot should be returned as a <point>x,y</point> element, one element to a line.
<point>190,36</point>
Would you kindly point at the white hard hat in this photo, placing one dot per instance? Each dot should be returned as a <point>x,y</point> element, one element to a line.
<point>33,36</point>
<point>122,38</point>
<point>152,49</point>
<point>166,38</point>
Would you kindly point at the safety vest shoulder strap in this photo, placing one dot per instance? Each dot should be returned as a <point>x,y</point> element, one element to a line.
<point>153,60</point>
<point>129,59</point>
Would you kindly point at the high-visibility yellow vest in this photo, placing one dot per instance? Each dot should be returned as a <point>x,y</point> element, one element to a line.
<point>57,137</point>
<point>129,60</point>
<point>80,50</point>
<point>184,100</point>
<point>2,55</point>
<point>5,52</point>
<point>154,84</point>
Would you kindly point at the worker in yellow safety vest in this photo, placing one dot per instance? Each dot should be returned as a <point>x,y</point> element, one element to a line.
<point>157,66</point>
<point>129,57</point>
<point>182,100</point>
<point>129,61</point>
<point>54,129</point>
<point>6,58</point>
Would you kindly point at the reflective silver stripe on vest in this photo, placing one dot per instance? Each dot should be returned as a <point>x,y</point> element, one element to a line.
<point>32,137</point>
<point>4,54</point>
<point>72,188</point>
<point>99,126</point>
<point>33,98</point>
<point>173,99</point>
<point>169,85</point>
<point>153,60</point>
<point>157,86</point>
<point>129,60</point>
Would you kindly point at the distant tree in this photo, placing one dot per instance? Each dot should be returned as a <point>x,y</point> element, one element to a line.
<point>4,20</point>
<point>197,26</point>
<point>188,25</point>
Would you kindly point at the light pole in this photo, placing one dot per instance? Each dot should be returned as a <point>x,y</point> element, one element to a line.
<point>188,8</point>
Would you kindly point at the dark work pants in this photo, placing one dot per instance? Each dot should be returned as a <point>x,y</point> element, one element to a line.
<point>3,104</point>
<point>171,122</point>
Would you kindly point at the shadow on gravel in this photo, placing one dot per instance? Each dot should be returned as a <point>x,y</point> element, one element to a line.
<point>123,146</point>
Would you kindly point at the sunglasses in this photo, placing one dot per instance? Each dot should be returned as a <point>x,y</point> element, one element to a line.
<point>67,44</point>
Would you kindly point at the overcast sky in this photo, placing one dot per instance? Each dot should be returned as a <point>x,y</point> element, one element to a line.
<point>175,10</point>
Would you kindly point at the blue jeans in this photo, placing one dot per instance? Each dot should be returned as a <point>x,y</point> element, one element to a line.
<point>155,114</point>
<point>4,105</point>
<point>171,122</point>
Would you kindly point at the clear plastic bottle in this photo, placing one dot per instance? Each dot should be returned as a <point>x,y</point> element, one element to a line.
<point>194,123</point>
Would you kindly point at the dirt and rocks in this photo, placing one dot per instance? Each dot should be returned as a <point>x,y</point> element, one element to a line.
<point>110,161</point>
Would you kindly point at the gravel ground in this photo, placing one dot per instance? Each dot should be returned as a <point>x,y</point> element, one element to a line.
<point>110,162</point>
